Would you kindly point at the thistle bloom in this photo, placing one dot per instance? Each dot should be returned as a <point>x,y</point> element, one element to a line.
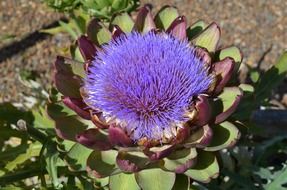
<point>159,95</point>
<point>146,83</point>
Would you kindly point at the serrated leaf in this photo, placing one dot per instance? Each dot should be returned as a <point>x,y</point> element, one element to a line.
<point>155,179</point>
<point>58,110</point>
<point>276,179</point>
<point>41,119</point>
<point>123,182</point>
<point>52,158</point>
<point>9,114</point>
<point>77,157</point>
<point>32,151</point>
<point>271,78</point>
<point>64,145</point>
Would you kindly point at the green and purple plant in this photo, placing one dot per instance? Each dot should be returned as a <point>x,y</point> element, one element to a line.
<point>160,96</point>
<point>146,103</point>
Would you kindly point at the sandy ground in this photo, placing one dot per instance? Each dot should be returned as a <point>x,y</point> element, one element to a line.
<point>256,26</point>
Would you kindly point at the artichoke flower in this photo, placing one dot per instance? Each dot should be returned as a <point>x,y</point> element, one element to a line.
<point>158,94</point>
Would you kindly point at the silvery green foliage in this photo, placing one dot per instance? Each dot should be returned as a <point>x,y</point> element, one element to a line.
<point>95,8</point>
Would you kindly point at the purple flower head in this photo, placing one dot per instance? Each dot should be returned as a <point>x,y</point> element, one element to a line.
<point>146,83</point>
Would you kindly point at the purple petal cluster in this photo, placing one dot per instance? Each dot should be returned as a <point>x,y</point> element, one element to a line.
<point>146,82</point>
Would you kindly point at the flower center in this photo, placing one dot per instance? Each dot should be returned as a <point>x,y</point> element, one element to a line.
<point>146,82</point>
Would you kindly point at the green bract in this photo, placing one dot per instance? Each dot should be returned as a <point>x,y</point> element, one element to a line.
<point>107,151</point>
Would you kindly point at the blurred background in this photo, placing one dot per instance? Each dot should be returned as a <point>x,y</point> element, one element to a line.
<point>257,27</point>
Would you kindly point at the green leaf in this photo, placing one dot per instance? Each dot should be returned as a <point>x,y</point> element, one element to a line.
<point>124,21</point>
<point>208,38</point>
<point>165,17</point>
<point>224,135</point>
<point>41,120</point>
<point>102,182</point>
<point>247,88</point>
<point>254,75</point>
<point>98,33</point>
<point>119,4</point>
<point>77,157</point>
<point>76,54</point>
<point>69,127</point>
<point>182,182</point>
<point>272,78</point>
<point>32,151</point>
<point>21,174</point>
<point>69,28</point>
<point>11,187</point>
<point>9,114</point>
<point>207,167</point>
<point>52,158</point>
<point>102,3</point>
<point>79,23</point>
<point>279,178</point>
<point>67,124</point>
<point>53,31</point>
<point>77,67</point>
<point>241,180</point>
<point>58,110</point>
<point>102,163</point>
<point>123,182</point>
<point>64,145</point>
<point>6,37</point>
<point>155,179</point>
